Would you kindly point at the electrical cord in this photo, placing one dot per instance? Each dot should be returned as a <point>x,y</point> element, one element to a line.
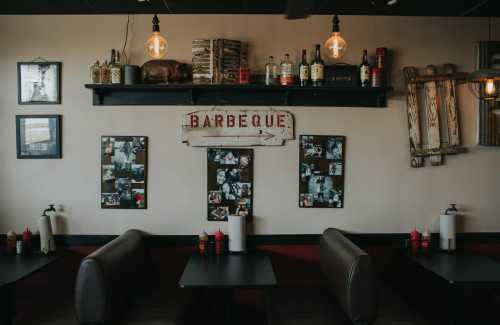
<point>126,40</point>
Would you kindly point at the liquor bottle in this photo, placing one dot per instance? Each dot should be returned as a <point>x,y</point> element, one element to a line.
<point>271,72</point>
<point>304,70</point>
<point>286,78</point>
<point>244,75</point>
<point>105,73</point>
<point>364,70</point>
<point>317,69</point>
<point>95,73</point>
<point>115,67</point>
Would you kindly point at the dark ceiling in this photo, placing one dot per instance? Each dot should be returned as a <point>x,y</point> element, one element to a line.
<point>472,8</point>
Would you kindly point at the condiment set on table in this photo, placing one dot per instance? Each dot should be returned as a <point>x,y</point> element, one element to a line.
<point>24,245</point>
<point>237,238</point>
<point>423,243</point>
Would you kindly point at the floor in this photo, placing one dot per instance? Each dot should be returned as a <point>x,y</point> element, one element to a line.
<point>303,307</point>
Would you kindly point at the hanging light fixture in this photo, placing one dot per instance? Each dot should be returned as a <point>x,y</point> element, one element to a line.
<point>485,83</point>
<point>336,45</point>
<point>156,45</point>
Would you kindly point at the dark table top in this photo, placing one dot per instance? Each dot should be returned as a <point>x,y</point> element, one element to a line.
<point>231,271</point>
<point>461,268</point>
<point>17,267</point>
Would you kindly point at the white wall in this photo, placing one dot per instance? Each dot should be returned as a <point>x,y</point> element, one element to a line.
<point>382,193</point>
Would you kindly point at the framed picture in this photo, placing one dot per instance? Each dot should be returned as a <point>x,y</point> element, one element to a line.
<point>38,136</point>
<point>39,83</point>
<point>230,183</point>
<point>124,172</point>
<point>321,171</point>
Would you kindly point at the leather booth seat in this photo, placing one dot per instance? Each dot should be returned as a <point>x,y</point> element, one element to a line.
<point>114,286</point>
<point>348,298</point>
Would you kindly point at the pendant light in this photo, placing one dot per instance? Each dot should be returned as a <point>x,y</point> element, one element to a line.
<point>336,45</point>
<point>485,83</point>
<point>156,45</point>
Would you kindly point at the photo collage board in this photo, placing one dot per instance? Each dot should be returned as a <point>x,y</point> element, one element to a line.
<point>229,183</point>
<point>124,172</point>
<point>322,171</point>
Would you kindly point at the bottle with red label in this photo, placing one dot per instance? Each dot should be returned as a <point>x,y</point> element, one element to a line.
<point>415,239</point>
<point>286,75</point>
<point>244,75</point>
<point>426,241</point>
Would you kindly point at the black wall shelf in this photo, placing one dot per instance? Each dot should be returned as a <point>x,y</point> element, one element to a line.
<point>245,95</point>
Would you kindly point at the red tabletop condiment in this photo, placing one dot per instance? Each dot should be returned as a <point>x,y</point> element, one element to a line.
<point>27,235</point>
<point>415,241</point>
<point>219,242</point>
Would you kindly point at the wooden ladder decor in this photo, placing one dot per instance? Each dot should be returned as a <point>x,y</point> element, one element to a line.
<point>433,132</point>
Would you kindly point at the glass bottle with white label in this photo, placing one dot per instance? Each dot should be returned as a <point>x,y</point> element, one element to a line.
<point>304,70</point>
<point>272,76</point>
<point>317,69</point>
<point>286,77</point>
<point>364,70</point>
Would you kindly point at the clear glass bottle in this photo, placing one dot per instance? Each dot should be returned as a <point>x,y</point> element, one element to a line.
<point>271,72</point>
<point>317,69</point>
<point>105,73</point>
<point>116,68</point>
<point>286,77</point>
<point>95,73</point>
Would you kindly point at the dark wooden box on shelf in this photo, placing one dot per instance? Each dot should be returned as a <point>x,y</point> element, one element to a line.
<point>246,95</point>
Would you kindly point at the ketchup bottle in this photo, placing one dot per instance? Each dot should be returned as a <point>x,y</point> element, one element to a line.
<point>219,242</point>
<point>415,241</point>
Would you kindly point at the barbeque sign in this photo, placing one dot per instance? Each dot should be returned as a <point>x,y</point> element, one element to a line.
<point>223,128</point>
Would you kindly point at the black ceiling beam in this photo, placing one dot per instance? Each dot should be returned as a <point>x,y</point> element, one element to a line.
<point>456,8</point>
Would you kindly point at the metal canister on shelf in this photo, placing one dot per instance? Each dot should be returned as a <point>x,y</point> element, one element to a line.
<point>376,77</point>
<point>381,55</point>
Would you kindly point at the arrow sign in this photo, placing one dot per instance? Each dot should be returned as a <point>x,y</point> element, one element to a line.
<point>223,128</point>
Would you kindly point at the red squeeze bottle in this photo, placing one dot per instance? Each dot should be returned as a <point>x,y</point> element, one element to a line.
<point>27,240</point>
<point>219,242</point>
<point>415,241</point>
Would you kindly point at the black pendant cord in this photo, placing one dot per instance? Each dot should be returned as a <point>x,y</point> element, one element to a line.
<point>156,24</point>
<point>335,24</point>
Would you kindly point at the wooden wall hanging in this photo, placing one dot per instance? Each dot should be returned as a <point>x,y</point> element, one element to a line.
<point>216,61</point>
<point>433,120</point>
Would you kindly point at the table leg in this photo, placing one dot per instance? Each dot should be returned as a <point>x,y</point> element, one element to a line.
<point>456,309</point>
<point>6,305</point>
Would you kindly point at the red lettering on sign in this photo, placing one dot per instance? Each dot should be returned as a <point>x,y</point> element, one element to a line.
<point>194,121</point>
<point>256,121</point>
<point>206,124</point>
<point>269,121</point>
<point>218,120</point>
<point>230,121</point>
<point>243,121</point>
<point>281,120</point>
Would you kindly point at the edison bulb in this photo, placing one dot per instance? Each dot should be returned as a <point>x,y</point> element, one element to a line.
<point>336,46</point>
<point>156,46</point>
<point>490,87</point>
